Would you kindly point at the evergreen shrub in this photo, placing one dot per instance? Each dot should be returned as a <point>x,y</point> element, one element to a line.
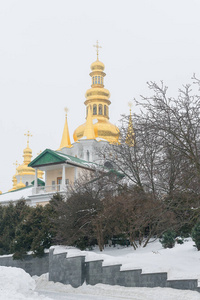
<point>168,239</point>
<point>196,235</point>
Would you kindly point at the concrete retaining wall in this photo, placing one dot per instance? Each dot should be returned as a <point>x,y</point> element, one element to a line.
<point>66,270</point>
<point>75,271</point>
<point>30,264</point>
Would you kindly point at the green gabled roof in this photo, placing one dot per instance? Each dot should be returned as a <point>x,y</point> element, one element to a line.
<point>77,160</point>
<point>47,157</point>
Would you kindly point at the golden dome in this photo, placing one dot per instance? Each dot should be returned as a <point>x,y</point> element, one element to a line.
<point>20,185</point>
<point>103,130</point>
<point>0,192</point>
<point>97,65</point>
<point>23,169</point>
<point>97,97</point>
<point>14,180</point>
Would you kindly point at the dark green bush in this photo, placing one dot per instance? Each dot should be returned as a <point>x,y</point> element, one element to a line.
<point>168,239</point>
<point>196,235</point>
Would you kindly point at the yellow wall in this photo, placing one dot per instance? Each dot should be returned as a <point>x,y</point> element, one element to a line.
<point>52,175</point>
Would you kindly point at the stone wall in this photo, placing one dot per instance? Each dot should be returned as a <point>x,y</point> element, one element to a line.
<point>75,271</point>
<point>30,264</point>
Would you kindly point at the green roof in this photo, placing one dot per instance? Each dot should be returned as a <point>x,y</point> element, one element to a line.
<point>50,157</point>
<point>47,157</point>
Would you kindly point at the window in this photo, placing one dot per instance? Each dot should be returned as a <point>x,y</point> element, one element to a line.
<point>94,109</point>
<point>101,80</point>
<point>100,109</point>
<point>98,79</point>
<point>95,79</point>
<point>105,110</point>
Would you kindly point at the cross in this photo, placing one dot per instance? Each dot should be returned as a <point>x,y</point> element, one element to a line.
<point>28,134</point>
<point>130,104</point>
<point>66,110</point>
<point>97,46</point>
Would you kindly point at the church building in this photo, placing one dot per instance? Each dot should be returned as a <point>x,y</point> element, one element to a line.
<point>64,166</point>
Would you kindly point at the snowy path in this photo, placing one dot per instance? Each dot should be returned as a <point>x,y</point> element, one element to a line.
<point>69,296</point>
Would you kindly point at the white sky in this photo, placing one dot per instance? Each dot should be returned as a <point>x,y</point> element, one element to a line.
<point>46,49</point>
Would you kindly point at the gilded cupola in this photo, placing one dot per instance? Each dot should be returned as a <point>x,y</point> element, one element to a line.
<point>97,100</point>
<point>14,179</point>
<point>23,169</point>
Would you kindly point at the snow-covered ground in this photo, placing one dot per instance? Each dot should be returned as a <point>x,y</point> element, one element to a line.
<point>183,261</point>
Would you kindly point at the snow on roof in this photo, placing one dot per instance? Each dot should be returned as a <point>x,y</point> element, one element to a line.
<point>16,195</point>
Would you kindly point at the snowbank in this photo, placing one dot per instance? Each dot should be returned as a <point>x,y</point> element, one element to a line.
<point>16,284</point>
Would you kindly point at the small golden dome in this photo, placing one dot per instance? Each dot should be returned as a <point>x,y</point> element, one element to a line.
<point>23,169</point>
<point>97,66</point>
<point>20,185</point>
<point>0,192</point>
<point>19,169</point>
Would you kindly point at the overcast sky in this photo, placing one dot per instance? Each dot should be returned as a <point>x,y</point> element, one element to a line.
<point>46,49</point>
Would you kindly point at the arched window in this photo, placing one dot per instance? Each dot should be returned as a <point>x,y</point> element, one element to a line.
<point>105,110</point>
<point>95,79</point>
<point>94,109</point>
<point>101,80</point>
<point>100,109</point>
<point>98,79</point>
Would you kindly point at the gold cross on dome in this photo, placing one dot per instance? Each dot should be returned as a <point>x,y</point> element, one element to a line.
<point>130,104</point>
<point>97,46</point>
<point>28,134</point>
<point>66,110</point>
